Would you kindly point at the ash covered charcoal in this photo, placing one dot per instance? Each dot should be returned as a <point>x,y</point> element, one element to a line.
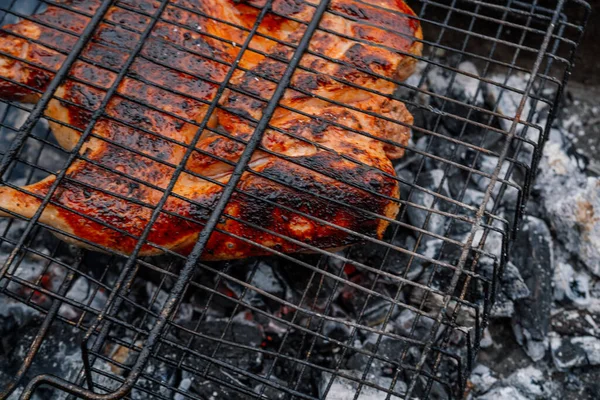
<point>569,352</point>
<point>216,386</point>
<point>570,286</point>
<point>13,315</point>
<point>391,260</point>
<point>523,384</point>
<point>344,388</point>
<point>82,291</point>
<point>572,202</point>
<point>512,287</point>
<point>166,375</point>
<point>584,322</point>
<point>239,332</point>
<point>532,254</point>
<point>464,87</point>
<point>413,325</point>
<point>432,180</point>
<point>264,278</point>
<point>394,350</point>
<point>60,353</point>
<point>481,380</point>
<point>487,164</point>
<point>507,103</point>
<point>364,307</point>
<point>503,306</point>
<point>513,284</point>
<point>316,288</point>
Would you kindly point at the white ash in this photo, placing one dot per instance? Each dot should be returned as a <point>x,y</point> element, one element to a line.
<point>571,286</point>
<point>569,352</point>
<point>482,379</point>
<point>503,393</point>
<point>567,199</point>
<point>343,388</point>
<point>572,201</point>
<point>525,383</point>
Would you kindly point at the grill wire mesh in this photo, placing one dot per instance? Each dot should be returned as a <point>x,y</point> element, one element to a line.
<point>174,327</point>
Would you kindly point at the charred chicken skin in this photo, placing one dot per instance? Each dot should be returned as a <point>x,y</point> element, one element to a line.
<point>312,180</point>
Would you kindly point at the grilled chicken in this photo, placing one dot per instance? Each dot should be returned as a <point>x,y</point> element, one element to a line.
<point>323,168</point>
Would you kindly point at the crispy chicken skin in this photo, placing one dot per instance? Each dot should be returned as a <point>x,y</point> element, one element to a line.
<point>309,166</point>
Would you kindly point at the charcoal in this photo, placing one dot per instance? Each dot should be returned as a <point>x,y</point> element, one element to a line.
<point>571,287</point>
<point>532,382</point>
<point>391,260</point>
<point>344,388</point>
<point>442,149</point>
<point>431,180</point>
<point>212,388</point>
<point>264,278</point>
<point>507,102</point>
<point>576,322</point>
<point>409,325</point>
<point>466,90</point>
<point>60,354</point>
<point>316,288</point>
<point>184,386</point>
<point>14,315</point>
<point>582,383</point>
<point>524,383</point>
<point>396,351</point>
<point>532,254</point>
<point>487,164</point>
<point>146,388</point>
<point>503,393</point>
<point>569,352</point>
<point>431,389</point>
<point>503,306</point>
<point>475,198</point>
<point>82,291</point>
<point>407,180</point>
<point>482,379</point>
<point>486,339</point>
<point>294,373</point>
<point>240,332</point>
<point>372,310</point>
<point>571,201</point>
<point>270,392</point>
<point>513,284</point>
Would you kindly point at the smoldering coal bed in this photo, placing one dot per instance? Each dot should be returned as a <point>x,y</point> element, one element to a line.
<point>371,322</point>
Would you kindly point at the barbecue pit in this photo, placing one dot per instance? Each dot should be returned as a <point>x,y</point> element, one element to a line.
<point>401,317</point>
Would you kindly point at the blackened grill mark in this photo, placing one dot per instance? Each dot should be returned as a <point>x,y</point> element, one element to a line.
<point>270,69</point>
<point>193,64</point>
<point>105,56</point>
<point>379,17</point>
<point>92,74</point>
<point>127,18</point>
<point>289,7</point>
<point>116,36</point>
<point>188,84</point>
<point>364,58</point>
<point>64,19</point>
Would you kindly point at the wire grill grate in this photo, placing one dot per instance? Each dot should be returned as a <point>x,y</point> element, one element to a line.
<point>201,328</point>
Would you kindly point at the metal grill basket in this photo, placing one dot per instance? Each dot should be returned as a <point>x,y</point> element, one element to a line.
<point>395,318</point>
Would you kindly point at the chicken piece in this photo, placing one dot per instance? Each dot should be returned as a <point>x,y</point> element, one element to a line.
<point>312,181</point>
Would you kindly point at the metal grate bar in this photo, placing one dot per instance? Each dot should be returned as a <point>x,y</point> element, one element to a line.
<point>488,193</point>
